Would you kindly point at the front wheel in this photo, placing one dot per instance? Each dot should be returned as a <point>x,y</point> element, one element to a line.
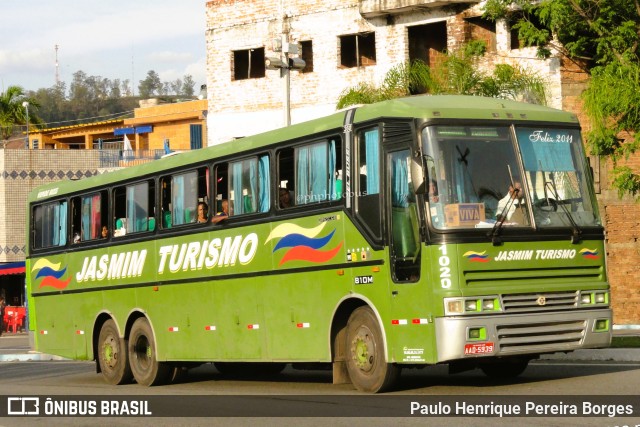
<point>112,355</point>
<point>366,364</point>
<point>143,356</point>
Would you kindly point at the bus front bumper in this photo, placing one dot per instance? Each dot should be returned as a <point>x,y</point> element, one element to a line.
<point>467,337</point>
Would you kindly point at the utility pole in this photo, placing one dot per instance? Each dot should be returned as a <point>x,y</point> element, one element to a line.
<point>285,63</point>
<point>57,67</point>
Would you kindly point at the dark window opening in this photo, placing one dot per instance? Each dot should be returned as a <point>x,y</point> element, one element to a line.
<point>428,43</point>
<point>482,29</point>
<point>221,185</point>
<point>358,50</point>
<point>248,64</point>
<point>307,56</point>
<point>514,30</point>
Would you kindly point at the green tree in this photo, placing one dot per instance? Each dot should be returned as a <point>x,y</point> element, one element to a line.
<point>456,74</point>
<point>151,85</point>
<point>188,86</point>
<point>603,36</point>
<point>13,112</point>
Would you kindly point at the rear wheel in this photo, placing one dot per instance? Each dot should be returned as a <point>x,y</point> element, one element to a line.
<point>112,355</point>
<point>143,356</point>
<point>505,369</point>
<point>366,364</point>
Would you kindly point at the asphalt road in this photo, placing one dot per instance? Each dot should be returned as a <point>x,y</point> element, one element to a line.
<point>308,398</point>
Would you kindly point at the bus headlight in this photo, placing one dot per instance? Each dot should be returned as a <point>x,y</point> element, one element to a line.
<point>472,305</point>
<point>590,298</point>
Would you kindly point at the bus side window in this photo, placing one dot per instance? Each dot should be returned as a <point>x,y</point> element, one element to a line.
<point>89,215</point>
<point>368,182</point>
<point>286,177</point>
<point>50,225</point>
<point>249,185</point>
<point>135,203</point>
<point>221,189</point>
<point>316,171</point>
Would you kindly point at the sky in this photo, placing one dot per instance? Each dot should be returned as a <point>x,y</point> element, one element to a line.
<point>114,39</point>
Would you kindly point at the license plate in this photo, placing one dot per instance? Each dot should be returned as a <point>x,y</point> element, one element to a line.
<point>479,348</point>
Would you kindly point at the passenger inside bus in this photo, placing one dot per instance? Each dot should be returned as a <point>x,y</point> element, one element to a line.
<point>203,212</point>
<point>223,214</point>
<point>510,204</point>
<point>285,198</point>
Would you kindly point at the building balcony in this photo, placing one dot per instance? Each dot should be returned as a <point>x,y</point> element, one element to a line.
<point>373,8</point>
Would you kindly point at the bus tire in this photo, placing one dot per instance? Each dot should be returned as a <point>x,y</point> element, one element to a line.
<point>505,369</point>
<point>143,358</point>
<point>368,370</point>
<point>112,355</point>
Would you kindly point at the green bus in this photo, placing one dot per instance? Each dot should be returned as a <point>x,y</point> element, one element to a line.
<point>418,231</point>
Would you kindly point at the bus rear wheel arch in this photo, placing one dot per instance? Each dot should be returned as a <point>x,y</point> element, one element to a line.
<point>113,360</point>
<point>365,353</point>
<point>146,368</point>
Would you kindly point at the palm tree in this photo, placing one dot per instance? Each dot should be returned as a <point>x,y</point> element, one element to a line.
<point>13,112</point>
<point>457,73</point>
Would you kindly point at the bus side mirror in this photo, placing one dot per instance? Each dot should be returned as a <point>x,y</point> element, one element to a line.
<point>417,174</point>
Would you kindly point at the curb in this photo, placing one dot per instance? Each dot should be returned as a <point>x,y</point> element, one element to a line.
<point>605,354</point>
<point>31,356</point>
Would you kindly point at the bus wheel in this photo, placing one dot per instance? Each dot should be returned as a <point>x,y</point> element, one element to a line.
<point>112,355</point>
<point>365,353</point>
<point>143,358</point>
<point>505,369</point>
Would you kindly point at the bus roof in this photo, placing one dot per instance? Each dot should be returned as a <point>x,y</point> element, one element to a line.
<point>423,107</point>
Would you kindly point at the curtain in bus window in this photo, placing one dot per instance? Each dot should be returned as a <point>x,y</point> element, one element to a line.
<point>137,200</point>
<point>95,217</point>
<point>465,190</point>
<point>373,161</point>
<point>131,209</point>
<point>264,184</point>
<point>236,190</point>
<point>62,238</point>
<point>177,200</point>
<point>311,179</point>
<point>85,219</point>
<point>400,179</point>
<point>249,199</point>
<point>333,191</point>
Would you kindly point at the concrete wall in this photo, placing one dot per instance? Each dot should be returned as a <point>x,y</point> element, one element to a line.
<point>22,171</point>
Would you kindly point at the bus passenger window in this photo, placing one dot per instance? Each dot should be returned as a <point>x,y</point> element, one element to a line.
<point>89,215</point>
<point>222,188</point>
<point>50,225</point>
<point>134,208</point>
<point>316,171</point>
<point>286,175</point>
<point>249,186</point>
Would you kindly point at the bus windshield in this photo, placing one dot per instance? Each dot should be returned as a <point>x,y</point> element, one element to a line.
<point>476,179</point>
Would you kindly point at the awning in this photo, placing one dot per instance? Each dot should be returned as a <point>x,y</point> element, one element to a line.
<point>123,131</point>
<point>132,130</point>
<point>11,268</point>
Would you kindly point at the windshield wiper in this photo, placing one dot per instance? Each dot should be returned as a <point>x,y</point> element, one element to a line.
<point>576,232</point>
<point>502,217</point>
